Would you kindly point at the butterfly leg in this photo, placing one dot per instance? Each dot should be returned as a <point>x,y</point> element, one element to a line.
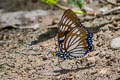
<point>74,65</point>
<point>59,63</point>
<point>78,62</point>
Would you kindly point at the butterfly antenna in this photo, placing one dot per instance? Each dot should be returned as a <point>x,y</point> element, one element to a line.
<point>49,53</point>
<point>55,43</point>
<point>59,63</point>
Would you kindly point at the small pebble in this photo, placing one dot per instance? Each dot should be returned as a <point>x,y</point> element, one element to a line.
<point>91,59</point>
<point>115,43</point>
<point>104,70</point>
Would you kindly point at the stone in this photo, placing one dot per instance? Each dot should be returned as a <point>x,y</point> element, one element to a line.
<point>115,43</point>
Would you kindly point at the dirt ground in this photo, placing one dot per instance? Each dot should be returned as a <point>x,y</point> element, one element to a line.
<point>25,54</point>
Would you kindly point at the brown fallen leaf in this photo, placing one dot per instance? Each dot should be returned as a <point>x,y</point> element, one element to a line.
<point>94,53</point>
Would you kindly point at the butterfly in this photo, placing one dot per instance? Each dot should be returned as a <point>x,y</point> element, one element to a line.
<point>74,40</point>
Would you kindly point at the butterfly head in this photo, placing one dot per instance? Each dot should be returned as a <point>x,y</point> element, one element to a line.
<point>54,53</point>
<point>63,55</point>
<point>57,53</point>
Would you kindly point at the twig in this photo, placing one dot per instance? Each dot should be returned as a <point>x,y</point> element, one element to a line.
<point>95,13</point>
<point>112,2</point>
<point>65,8</point>
<point>61,7</point>
<point>112,10</point>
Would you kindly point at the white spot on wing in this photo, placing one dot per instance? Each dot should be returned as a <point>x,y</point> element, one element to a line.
<point>78,54</point>
<point>70,22</point>
<point>63,28</point>
<point>66,29</point>
<point>73,25</point>
<point>67,21</point>
<point>78,32</point>
<point>62,38</point>
<point>73,46</point>
<point>76,40</point>
<point>64,20</point>
<point>72,39</point>
<point>75,30</point>
<point>67,42</point>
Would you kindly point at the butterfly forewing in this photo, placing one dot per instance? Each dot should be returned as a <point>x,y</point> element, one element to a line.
<point>66,24</point>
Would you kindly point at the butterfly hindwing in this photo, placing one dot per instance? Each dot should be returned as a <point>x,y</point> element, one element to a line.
<point>76,42</point>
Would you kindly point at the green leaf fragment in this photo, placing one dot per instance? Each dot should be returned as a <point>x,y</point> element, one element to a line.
<point>50,2</point>
<point>77,3</point>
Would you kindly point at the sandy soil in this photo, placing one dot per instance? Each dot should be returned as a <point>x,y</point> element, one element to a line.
<point>25,54</point>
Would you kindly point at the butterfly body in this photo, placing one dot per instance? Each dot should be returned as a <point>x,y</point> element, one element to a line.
<point>74,40</point>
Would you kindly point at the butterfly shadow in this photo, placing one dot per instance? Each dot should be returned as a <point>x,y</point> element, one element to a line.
<point>65,71</point>
<point>97,28</point>
<point>51,33</point>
